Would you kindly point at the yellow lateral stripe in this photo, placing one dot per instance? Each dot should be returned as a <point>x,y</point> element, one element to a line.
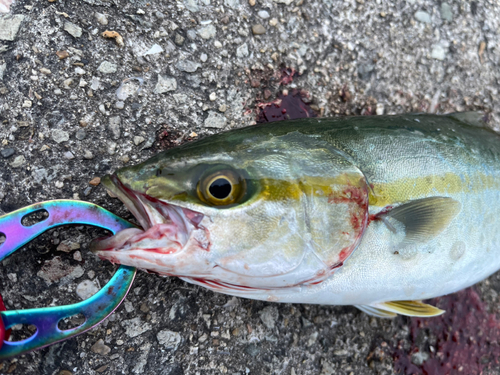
<point>420,187</point>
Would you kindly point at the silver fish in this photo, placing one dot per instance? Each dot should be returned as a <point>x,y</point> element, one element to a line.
<point>378,212</point>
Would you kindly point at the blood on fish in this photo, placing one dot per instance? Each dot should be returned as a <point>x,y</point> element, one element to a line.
<point>376,217</point>
<point>356,225</point>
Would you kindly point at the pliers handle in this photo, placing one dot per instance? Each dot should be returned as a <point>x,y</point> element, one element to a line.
<point>95,309</point>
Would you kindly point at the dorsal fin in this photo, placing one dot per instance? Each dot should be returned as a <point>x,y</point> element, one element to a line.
<point>478,119</point>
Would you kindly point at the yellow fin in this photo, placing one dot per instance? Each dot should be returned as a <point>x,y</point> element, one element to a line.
<point>409,308</point>
<point>375,311</point>
<point>424,218</point>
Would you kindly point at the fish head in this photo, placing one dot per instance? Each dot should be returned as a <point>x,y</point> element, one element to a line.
<point>243,209</point>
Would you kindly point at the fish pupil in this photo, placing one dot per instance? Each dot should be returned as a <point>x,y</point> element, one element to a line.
<point>220,188</point>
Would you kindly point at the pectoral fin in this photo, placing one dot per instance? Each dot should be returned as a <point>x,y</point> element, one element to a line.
<point>407,308</point>
<point>422,219</point>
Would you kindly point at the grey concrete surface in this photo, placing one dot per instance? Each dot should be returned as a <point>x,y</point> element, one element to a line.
<point>75,105</point>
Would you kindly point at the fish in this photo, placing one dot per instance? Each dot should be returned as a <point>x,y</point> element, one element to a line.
<point>378,212</point>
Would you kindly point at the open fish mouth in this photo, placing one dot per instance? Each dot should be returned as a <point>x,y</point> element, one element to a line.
<point>167,229</point>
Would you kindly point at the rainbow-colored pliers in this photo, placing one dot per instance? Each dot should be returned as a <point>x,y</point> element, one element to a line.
<point>95,309</point>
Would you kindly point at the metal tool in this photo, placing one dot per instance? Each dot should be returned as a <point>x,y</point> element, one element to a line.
<point>95,309</point>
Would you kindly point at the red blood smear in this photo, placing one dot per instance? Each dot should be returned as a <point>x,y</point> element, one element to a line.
<point>467,338</point>
<point>4,334</point>
<point>286,107</point>
<point>287,75</point>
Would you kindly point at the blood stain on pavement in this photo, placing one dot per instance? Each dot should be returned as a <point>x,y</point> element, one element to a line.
<point>289,105</point>
<point>464,340</point>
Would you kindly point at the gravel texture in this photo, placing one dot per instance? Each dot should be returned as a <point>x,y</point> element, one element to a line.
<point>89,86</point>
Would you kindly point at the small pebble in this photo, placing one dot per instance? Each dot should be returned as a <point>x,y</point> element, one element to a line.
<point>18,161</point>
<point>215,120</point>
<point>138,140</point>
<point>88,155</point>
<point>59,184</point>
<point>67,83</point>
<point>77,256</point>
<point>59,135</point>
<point>7,152</point>
<point>251,3</point>
<point>100,348</point>
<point>72,29</point>
<point>380,109</point>
<point>165,85</point>
<point>45,71</point>
<point>95,181</point>
<point>86,289</point>
<point>69,155</point>
<point>81,134</point>
<point>111,148</point>
<point>423,17</point>
<point>114,126</point>
<point>446,12</point>
<point>223,108</point>
<point>107,67</point>
<point>169,339</point>
<point>203,57</point>
<point>79,71</point>
<point>179,39</point>
<point>62,54</point>
<point>187,66</point>
<point>207,32</point>
<point>217,44</point>
<point>264,14</point>
<point>119,104</point>
<point>212,96</point>
<point>101,18</point>
<point>27,104</point>
<point>258,29</point>
<point>242,51</point>
<point>438,52</point>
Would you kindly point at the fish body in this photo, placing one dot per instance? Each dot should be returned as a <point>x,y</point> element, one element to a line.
<point>376,212</point>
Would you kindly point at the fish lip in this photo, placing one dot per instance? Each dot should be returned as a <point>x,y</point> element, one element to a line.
<point>151,213</point>
<point>128,198</point>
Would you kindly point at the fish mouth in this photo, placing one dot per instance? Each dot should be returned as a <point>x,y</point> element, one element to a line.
<point>166,230</point>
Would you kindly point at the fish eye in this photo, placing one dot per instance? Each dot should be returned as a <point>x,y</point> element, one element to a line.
<point>222,188</point>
